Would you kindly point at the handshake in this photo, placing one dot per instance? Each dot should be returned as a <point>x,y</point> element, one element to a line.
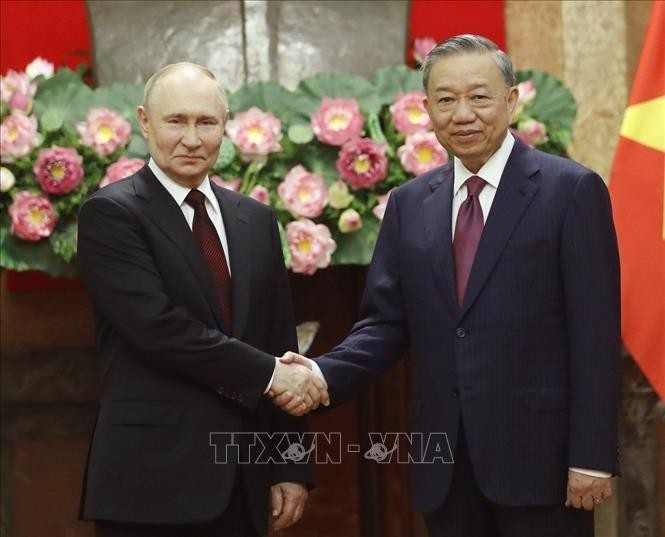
<point>298,386</point>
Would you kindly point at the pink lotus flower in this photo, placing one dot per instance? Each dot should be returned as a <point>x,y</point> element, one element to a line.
<point>121,168</point>
<point>59,170</point>
<point>349,221</point>
<point>260,194</point>
<point>39,66</point>
<point>409,114</point>
<point>362,163</point>
<point>380,208</point>
<point>17,90</point>
<point>526,95</point>
<point>32,216</point>
<point>337,121</point>
<point>233,184</point>
<point>527,92</point>
<point>532,132</point>
<point>303,193</point>
<point>311,246</point>
<point>18,136</point>
<point>421,153</point>
<point>255,133</point>
<point>422,47</point>
<point>104,131</point>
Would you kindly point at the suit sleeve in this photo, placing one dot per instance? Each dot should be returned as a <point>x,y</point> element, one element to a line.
<point>379,339</point>
<point>127,291</point>
<point>590,266</point>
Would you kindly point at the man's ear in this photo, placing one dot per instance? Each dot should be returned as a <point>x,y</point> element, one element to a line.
<point>143,119</point>
<point>513,95</point>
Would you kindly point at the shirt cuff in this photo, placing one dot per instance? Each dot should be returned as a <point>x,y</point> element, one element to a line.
<point>592,473</point>
<point>317,371</point>
<point>271,378</point>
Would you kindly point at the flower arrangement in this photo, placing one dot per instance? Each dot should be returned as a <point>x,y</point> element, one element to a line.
<point>325,156</point>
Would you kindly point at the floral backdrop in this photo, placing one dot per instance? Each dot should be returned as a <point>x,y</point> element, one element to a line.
<point>325,155</point>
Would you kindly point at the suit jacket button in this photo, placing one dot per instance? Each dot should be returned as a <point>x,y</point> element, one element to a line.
<point>460,332</point>
<point>456,394</point>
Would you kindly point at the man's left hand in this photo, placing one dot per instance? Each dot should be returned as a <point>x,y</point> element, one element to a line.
<point>288,502</point>
<point>586,492</point>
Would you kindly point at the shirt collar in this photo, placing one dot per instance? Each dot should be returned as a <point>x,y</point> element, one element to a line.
<point>179,192</point>
<point>491,171</point>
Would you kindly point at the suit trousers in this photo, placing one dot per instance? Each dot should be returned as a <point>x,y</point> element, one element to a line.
<point>466,512</point>
<point>236,521</point>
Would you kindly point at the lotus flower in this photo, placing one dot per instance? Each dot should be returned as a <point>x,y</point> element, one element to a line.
<point>104,131</point>
<point>362,163</point>
<point>349,221</point>
<point>337,121</point>
<point>121,168</point>
<point>58,170</point>
<point>18,136</point>
<point>32,216</point>
<point>255,133</point>
<point>303,193</point>
<point>422,47</point>
<point>409,114</point>
<point>380,208</point>
<point>17,90</point>
<point>421,153</point>
<point>233,184</point>
<point>532,132</point>
<point>260,194</point>
<point>311,246</point>
<point>39,66</point>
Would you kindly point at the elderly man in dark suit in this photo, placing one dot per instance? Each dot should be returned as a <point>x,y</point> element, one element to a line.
<point>499,272</point>
<point>192,307</point>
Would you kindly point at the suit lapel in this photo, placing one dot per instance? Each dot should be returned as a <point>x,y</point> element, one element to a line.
<point>236,224</point>
<point>162,209</point>
<point>515,192</point>
<point>438,233</point>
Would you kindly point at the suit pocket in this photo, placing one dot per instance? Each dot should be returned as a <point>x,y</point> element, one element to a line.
<point>547,399</point>
<point>155,413</point>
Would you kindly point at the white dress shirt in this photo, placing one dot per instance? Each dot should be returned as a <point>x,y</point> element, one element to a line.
<point>490,172</point>
<point>179,193</point>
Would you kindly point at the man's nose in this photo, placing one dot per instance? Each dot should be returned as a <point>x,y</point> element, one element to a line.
<point>463,112</point>
<point>191,137</point>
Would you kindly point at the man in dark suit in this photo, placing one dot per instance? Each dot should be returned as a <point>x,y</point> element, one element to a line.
<point>192,307</point>
<point>499,273</point>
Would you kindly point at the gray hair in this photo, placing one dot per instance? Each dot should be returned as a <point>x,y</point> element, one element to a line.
<point>465,44</point>
<point>152,82</point>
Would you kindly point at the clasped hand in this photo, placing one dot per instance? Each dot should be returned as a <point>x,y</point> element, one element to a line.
<point>296,388</point>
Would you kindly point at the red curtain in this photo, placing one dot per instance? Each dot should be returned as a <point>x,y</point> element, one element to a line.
<point>444,18</point>
<point>56,30</point>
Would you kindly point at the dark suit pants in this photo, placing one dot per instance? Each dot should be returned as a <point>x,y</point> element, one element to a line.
<point>467,513</point>
<point>236,521</point>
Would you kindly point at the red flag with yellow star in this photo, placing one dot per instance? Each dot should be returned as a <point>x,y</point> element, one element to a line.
<point>637,187</point>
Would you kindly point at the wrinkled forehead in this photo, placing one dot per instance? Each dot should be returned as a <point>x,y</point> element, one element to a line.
<point>465,69</point>
<point>187,89</point>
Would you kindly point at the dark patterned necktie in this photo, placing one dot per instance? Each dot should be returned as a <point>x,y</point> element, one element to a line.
<point>468,229</point>
<point>211,247</point>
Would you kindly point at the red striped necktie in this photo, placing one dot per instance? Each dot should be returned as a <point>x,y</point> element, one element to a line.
<point>211,247</point>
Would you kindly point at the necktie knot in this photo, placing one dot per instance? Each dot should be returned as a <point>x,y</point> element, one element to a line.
<point>195,198</point>
<point>474,185</point>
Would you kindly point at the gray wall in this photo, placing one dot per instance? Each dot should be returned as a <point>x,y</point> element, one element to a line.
<point>246,41</point>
